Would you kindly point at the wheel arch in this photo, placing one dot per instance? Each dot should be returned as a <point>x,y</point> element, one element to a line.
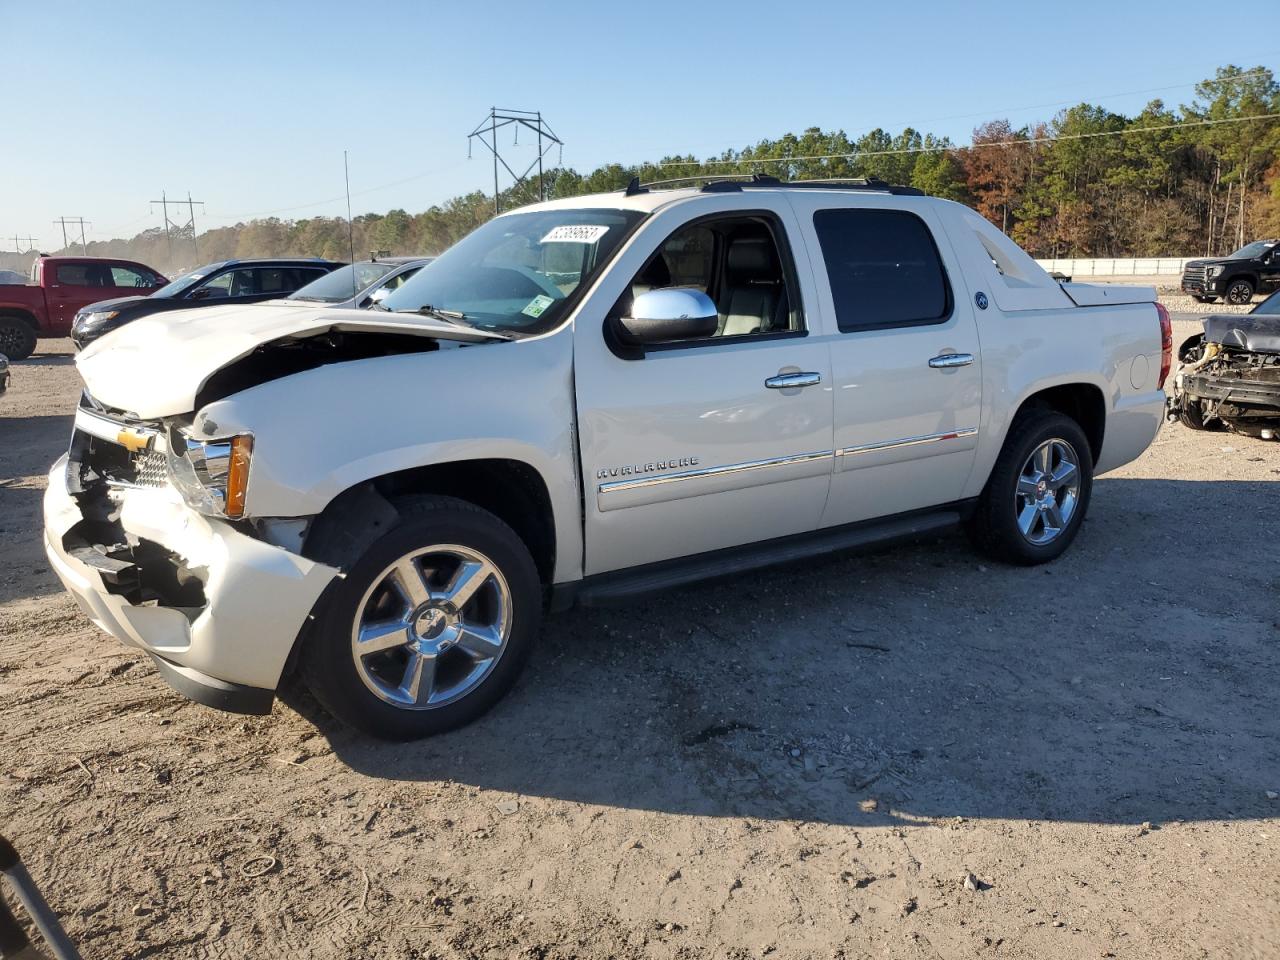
<point>19,313</point>
<point>512,490</point>
<point>1083,402</point>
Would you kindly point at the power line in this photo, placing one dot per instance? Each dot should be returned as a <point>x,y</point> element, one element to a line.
<point>531,120</point>
<point>1026,141</point>
<point>81,221</point>
<point>1059,103</point>
<point>355,193</point>
<point>164,202</point>
<point>17,244</point>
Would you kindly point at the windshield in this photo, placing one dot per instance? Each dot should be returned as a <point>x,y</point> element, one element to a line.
<point>519,273</point>
<point>1270,306</point>
<point>1251,250</point>
<point>343,283</point>
<point>187,280</point>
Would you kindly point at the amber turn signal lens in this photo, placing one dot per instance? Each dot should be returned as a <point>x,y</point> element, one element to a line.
<point>238,475</point>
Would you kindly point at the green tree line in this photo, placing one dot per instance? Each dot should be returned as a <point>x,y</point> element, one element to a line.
<point>1199,179</point>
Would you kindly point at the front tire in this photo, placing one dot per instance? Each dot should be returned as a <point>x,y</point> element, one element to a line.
<point>1239,292</point>
<point>1191,414</point>
<point>430,627</point>
<point>17,339</point>
<point>1038,493</point>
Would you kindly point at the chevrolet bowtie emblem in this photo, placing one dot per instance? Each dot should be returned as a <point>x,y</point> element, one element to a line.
<point>133,441</point>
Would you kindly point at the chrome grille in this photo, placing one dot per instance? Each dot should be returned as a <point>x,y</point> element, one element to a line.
<point>1193,273</point>
<point>150,469</point>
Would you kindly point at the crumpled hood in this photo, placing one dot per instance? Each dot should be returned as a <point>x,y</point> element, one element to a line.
<point>155,366</point>
<point>1255,333</point>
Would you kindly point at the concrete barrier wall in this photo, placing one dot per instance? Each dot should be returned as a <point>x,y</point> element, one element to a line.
<point>1124,267</point>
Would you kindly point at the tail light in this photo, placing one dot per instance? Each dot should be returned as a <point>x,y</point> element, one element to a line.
<point>1166,344</point>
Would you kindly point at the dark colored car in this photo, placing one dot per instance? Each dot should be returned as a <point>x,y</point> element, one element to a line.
<point>228,281</point>
<point>1230,374</point>
<point>1254,268</point>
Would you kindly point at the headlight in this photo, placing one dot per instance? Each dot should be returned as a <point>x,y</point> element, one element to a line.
<point>212,475</point>
<point>1215,271</point>
<point>98,316</point>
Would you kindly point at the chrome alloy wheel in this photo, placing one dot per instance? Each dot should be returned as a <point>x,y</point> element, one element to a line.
<point>1048,491</point>
<point>431,627</point>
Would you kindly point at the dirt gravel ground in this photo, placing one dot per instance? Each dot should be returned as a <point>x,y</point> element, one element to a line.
<point>804,763</point>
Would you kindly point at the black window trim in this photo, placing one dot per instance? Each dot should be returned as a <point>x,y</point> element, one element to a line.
<point>949,307</point>
<point>778,231</point>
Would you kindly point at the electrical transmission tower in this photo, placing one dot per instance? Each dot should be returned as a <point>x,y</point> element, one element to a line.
<point>174,225</point>
<point>17,244</point>
<point>80,221</point>
<point>531,120</point>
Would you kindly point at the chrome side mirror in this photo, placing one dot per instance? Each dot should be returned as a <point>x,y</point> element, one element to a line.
<point>672,313</point>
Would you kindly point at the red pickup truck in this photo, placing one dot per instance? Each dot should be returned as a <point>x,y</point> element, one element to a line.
<point>59,287</point>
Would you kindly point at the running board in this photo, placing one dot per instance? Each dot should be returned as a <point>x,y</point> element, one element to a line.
<point>623,585</point>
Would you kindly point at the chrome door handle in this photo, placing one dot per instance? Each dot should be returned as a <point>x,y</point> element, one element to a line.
<point>784,381</point>
<point>946,361</point>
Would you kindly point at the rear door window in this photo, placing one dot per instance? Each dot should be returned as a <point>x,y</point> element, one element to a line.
<point>84,275</point>
<point>884,269</point>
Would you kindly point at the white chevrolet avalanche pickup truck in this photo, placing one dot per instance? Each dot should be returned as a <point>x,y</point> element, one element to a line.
<point>583,400</point>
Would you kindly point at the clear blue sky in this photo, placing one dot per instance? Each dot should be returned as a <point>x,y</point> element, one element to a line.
<point>249,105</point>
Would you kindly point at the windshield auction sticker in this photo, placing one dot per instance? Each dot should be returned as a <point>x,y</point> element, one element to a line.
<point>576,233</point>
<point>537,305</point>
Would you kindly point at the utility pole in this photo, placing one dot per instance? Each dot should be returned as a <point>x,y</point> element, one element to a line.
<point>79,221</point>
<point>530,119</point>
<point>17,244</point>
<point>169,223</point>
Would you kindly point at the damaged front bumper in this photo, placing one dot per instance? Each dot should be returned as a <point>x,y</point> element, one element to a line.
<point>217,610</point>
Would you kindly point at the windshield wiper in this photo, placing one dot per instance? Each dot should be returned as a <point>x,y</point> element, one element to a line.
<point>427,310</point>
<point>455,317</point>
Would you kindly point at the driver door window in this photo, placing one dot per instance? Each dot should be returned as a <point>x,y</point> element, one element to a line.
<point>127,277</point>
<point>739,264</point>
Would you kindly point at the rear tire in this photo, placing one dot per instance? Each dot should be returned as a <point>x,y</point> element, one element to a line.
<point>431,627</point>
<point>1038,493</point>
<point>17,339</point>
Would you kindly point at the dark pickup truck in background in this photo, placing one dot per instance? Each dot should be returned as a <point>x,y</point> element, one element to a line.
<point>1254,268</point>
<point>58,289</point>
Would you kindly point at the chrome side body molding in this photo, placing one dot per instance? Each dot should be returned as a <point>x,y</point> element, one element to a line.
<point>637,491</point>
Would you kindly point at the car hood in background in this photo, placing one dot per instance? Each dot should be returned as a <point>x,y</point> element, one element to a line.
<point>114,304</point>
<point>155,366</point>
<point>1256,333</point>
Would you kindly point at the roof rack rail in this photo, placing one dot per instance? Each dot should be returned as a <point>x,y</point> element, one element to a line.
<point>736,182</point>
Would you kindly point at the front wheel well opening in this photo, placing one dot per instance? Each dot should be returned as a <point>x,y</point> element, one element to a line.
<point>1082,402</point>
<point>511,490</point>
<point>22,316</point>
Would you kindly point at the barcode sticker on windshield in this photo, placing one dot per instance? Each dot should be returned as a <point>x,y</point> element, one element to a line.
<point>537,305</point>
<point>576,233</point>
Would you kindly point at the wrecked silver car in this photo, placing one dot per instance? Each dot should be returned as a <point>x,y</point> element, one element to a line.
<point>1230,375</point>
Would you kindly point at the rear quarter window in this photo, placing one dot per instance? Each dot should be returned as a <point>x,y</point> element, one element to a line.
<point>883,267</point>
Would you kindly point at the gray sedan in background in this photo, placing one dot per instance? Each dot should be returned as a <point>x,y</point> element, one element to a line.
<point>360,284</point>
